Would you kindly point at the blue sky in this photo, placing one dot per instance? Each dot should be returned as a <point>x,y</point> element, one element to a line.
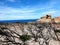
<point>28,9</point>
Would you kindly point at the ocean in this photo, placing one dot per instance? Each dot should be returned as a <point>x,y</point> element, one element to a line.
<point>22,21</point>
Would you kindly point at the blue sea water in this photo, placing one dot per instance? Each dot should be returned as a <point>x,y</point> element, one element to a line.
<point>12,21</point>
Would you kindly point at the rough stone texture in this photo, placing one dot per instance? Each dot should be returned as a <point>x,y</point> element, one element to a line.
<point>57,19</point>
<point>54,42</point>
<point>48,19</point>
<point>41,34</point>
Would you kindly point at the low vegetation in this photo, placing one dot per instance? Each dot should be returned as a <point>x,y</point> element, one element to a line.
<point>25,37</point>
<point>57,31</point>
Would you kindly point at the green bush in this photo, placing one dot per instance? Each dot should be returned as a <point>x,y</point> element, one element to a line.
<point>25,37</point>
<point>57,31</point>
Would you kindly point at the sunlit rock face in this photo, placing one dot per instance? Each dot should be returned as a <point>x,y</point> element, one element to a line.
<point>57,19</point>
<point>41,34</point>
<point>46,19</point>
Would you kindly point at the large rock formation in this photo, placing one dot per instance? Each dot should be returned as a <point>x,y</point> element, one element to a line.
<point>18,34</point>
<point>49,19</point>
<point>46,19</point>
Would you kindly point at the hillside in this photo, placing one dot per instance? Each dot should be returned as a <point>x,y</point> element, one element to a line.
<point>29,34</point>
<point>48,19</point>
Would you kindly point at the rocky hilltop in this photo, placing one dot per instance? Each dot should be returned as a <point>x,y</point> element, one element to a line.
<point>29,34</point>
<point>48,19</point>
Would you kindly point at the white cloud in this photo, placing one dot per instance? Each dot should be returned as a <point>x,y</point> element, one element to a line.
<point>7,13</point>
<point>49,12</point>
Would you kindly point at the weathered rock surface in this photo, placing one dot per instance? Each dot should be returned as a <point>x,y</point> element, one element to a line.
<point>57,19</point>
<point>41,34</point>
<point>48,19</point>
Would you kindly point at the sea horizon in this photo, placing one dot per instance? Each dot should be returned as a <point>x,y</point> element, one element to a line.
<point>21,20</point>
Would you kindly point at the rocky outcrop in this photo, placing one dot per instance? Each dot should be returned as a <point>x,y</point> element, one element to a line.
<point>57,19</point>
<point>46,19</point>
<point>28,34</point>
<point>49,19</point>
